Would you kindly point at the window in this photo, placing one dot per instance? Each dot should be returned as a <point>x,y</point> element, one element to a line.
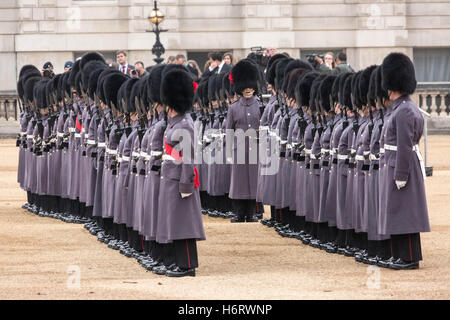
<point>432,64</point>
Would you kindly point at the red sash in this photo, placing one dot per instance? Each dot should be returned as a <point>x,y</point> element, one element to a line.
<point>179,158</point>
<point>78,124</point>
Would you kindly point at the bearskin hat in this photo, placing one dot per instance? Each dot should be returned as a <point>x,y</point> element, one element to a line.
<point>27,68</point>
<point>398,74</point>
<point>274,58</point>
<point>65,84</point>
<point>372,89</point>
<point>26,72</point>
<point>280,73</point>
<point>325,95</point>
<point>245,75</point>
<point>228,89</point>
<point>134,95</point>
<point>303,88</point>
<point>335,88</point>
<point>91,56</point>
<point>28,88</point>
<point>355,91</point>
<point>293,78</point>
<point>143,94</point>
<point>314,94</point>
<point>294,64</point>
<point>271,73</point>
<point>364,82</point>
<point>154,84</point>
<point>73,73</point>
<point>90,67</point>
<point>177,90</point>
<point>101,80</point>
<point>381,91</point>
<point>346,93</point>
<point>93,81</point>
<point>40,94</point>
<point>170,67</point>
<point>111,86</point>
<point>343,78</point>
<point>219,87</point>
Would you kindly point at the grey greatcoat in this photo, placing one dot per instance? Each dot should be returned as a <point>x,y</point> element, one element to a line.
<point>331,202</point>
<point>343,218</point>
<point>325,165</point>
<point>181,217</point>
<point>301,167</point>
<point>371,197</point>
<point>244,114</point>
<point>358,178</point>
<point>286,174</point>
<point>42,160</point>
<point>91,156</point>
<point>264,126</point>
<point>155,149</point>
<point>314,173</point>
<point>405,210</point>
<point>306,205</point>
<point>100,162</point>
<point>270,180</point>
<point>24,118</point>
<point>110,174</point>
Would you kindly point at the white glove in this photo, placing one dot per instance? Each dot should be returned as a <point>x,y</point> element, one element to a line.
<point>400,184</point>
<point>185,195</point>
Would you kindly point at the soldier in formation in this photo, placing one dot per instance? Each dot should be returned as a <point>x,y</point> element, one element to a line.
<point>334,156</point>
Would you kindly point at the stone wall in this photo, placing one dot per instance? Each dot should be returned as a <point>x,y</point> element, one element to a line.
<point>34,31</point>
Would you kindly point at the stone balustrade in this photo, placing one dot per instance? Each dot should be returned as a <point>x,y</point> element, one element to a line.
<point>9,106</point>
<point>434,98</point>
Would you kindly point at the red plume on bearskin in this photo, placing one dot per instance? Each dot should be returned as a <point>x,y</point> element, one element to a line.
<point>230,77</point>
<point>195,84</point>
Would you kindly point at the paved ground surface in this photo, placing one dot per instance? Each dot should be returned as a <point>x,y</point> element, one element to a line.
<point>245,261</point>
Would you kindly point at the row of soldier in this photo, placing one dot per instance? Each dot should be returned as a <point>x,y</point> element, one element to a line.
<point>350,176</point>
<point>331,190</point>
<point>97,147</point>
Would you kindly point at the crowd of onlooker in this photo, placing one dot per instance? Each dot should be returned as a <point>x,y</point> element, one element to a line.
<point>217,63</point>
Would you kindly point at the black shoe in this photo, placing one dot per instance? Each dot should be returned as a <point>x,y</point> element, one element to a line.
<point>350,251</point>
<point>315,243</point>
<point>373,260</point>
<point>237,219</point>
<point>179,272</point>
<point>259,216</point>
<point>160,270</point>
<point>213,213</point>
<point>306,239</point>
<point>251,219</point>
<point>386,263</point>
<point>341,250</point>
<point>331,248</point>
<point>400,264</point>
<point>113,244</point>
<point>25,206</point>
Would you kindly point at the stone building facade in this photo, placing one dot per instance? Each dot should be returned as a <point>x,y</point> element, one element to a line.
<point>34,31</point>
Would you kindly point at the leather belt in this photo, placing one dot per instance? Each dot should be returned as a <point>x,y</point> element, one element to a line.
<point>316,166</point>
<point>351,165</point>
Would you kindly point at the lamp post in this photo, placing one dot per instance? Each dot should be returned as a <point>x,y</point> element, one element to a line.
<point>156,18</point>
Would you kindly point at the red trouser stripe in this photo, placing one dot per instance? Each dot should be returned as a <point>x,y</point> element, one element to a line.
<point>142,242</point>
<point>189,258</point>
